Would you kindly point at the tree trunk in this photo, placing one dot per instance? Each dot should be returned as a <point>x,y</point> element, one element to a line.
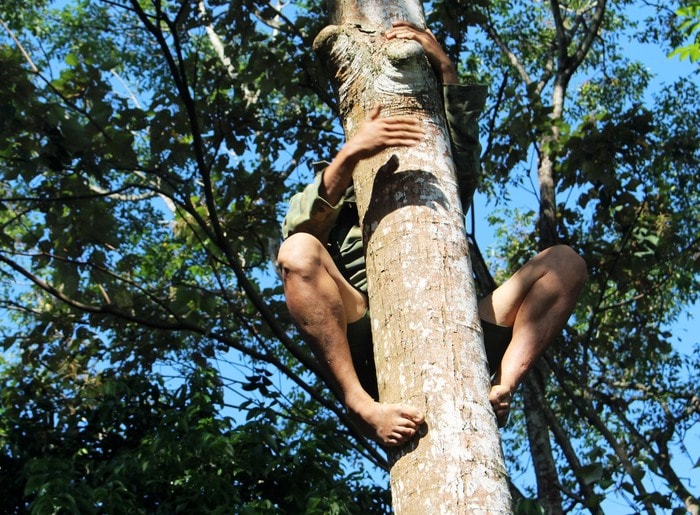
<point>548,485</point>
<point>428,343</point>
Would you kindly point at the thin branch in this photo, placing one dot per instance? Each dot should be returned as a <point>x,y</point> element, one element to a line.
<point>660,456</point>
<point>215,40</point>
<point>564,442</point>
<point>494,118</point>
<point>131,94</point>
<point>510,55</point>
<point>583,403</point>
<point>21,48</point>
<point>561,36</point>
<point>575,60</point>
<point>601,296</point>
<point>99,193</point>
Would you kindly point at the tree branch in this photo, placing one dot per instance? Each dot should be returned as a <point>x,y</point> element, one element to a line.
<point>507,52</point>
<point>582,402</point>
<point>574,61</point>
<point>20,47</point>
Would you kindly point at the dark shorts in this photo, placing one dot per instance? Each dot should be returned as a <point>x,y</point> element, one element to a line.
<point>496,340</point>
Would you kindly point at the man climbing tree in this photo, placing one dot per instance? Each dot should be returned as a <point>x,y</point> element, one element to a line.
<point>323,264</point>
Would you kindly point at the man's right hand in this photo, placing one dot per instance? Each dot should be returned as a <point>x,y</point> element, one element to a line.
<point>373,136</point>
<point>378,134</point>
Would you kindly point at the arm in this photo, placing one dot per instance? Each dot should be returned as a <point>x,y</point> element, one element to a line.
<point>463,105</point>
<point>373,136</point>
<point>316,208</point>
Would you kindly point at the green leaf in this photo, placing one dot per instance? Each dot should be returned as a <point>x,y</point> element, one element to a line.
<point>591,473</point>
<point>72,60</point>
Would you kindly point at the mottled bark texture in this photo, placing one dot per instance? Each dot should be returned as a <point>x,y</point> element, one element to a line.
<point>427,337</point>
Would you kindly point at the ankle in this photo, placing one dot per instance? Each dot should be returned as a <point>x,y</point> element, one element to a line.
<point>356,399</point>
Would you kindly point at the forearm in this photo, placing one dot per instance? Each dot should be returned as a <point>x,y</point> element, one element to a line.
<point>463,106</point>
<point>446,72</point>
<point>310,213</point>
<point>337,177</point>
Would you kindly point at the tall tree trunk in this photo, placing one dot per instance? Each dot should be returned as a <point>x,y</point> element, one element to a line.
<point>427,337</point>
<point>548,484</point>
<point>545,172</point>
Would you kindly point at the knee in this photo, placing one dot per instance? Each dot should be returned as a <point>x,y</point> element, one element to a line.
<point>300,253</point>
<point>568,264</point>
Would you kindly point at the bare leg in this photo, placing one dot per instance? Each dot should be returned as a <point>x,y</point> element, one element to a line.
<point>536,301</point>
<point>322,303</point>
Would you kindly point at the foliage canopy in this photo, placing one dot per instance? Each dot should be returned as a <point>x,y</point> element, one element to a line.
<point>147,149</point>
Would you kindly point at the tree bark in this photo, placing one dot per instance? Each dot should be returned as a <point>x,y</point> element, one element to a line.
<point>548,486</point>
<point>427,337</point>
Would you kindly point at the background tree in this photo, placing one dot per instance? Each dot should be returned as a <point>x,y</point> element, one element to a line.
<point>690,27</point>
<point>619,169</point>
<point>146,151</point>
<point>140,169</point>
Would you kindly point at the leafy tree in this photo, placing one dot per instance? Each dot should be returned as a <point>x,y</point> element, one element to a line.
<point>569,118</point>
<point>690,27</point>
<point>140,173</point>
<point>146,152</point>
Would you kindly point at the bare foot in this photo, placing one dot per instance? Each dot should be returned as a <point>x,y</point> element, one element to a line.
<point>500,398</point>
<point>388,424</point>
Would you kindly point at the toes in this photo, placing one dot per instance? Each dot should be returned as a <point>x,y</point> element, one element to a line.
<point>405,432</point>
<point>412,423</point>
<point>388,424</point>
<point>412,414</point>
<point>399,436</point>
